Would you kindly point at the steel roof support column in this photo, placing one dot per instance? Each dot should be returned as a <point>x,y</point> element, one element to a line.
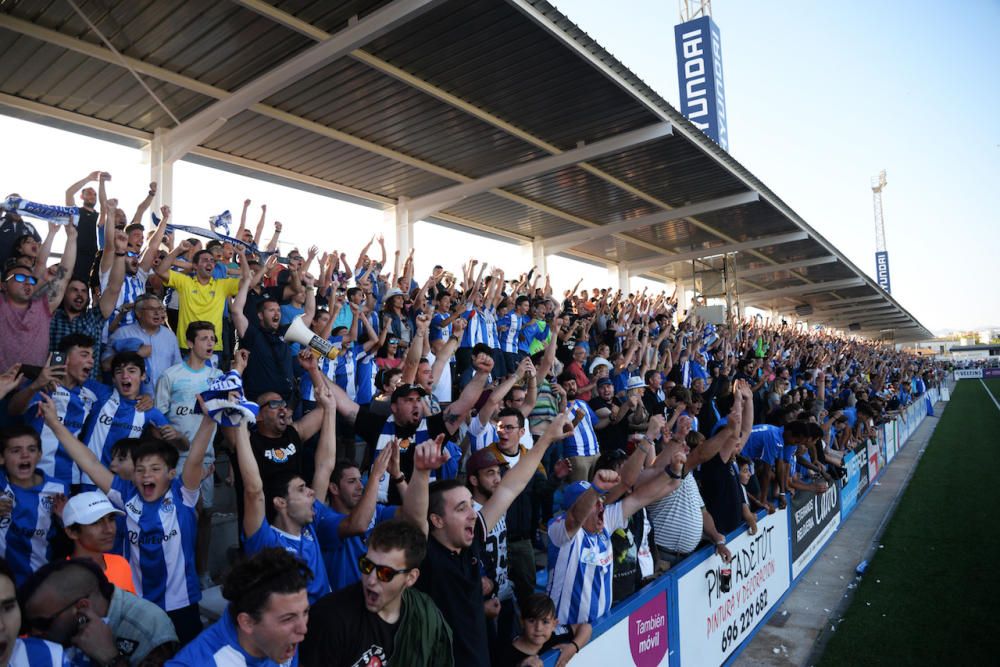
<point>404,229</point>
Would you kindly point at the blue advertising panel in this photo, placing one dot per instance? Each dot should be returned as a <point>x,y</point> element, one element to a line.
<point>882,270</point>
<point>699,75</point>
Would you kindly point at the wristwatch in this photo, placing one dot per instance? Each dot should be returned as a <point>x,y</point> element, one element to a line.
<point>672,475</point>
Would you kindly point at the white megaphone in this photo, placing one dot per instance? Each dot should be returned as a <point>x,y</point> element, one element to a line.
<point>299,333</point>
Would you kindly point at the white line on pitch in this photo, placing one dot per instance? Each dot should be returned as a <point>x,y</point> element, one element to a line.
<point>992,397</point>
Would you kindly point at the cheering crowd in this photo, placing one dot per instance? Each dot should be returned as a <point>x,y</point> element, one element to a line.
<point>468,470</point>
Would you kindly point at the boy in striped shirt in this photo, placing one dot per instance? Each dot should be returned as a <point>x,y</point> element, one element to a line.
<point>119,416</point>
<point>582,449</point>
<point>160,516</point>
<point>27,496</point>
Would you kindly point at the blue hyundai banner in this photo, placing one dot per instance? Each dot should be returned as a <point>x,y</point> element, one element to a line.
<point>882,270</point>
<point>699,75</point>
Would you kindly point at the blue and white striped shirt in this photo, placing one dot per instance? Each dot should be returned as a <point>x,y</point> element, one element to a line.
<point>581,568</point>
<point>73,406</point>
<point>133,287</point>
<point>584,440</point>
<point>508,328</point>
<point>305,546</point>
<point>160,544</point>
<point>488,325</point>
<point>473,333</point>
<point>26,535</point>
<point>114,419</point>
<point>34,652</point>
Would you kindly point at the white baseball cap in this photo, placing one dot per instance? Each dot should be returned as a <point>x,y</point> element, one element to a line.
<point>87,508</point>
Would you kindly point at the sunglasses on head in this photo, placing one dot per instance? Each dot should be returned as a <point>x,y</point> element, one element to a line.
<point>276,403</point>
<point>24,278</point>
<point>384,573</point>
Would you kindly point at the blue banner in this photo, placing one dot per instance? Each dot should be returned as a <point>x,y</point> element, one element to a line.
<point>882,270</point>
<point>699,76</point>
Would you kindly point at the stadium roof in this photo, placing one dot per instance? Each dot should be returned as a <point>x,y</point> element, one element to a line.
<point>497,116</point>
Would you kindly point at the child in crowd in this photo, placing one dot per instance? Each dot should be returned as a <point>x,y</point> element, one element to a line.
<point>541,631</point>
<point>160,515</point>
<point>27,496</point>
<point>91,523</point>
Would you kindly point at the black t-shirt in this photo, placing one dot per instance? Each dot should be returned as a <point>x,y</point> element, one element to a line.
<point>454,582</point>
<point>343,633</point>
<point>720,489</point>
<point>654,406</point>
<point>86,245</point>
<point>273,456</point>
<point>510,656</point>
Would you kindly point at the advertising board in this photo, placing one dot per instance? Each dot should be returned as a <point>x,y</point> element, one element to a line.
<point>713,623</point>
<point>815,517</point>
<point>699,76</point>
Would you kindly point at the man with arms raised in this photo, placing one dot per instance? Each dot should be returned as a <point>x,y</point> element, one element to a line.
<point>450,573</point>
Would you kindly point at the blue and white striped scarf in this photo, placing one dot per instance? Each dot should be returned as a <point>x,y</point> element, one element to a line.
<point>222,406</point>
<point>221,223</point>
<point>212,234</point>
<point>384,438</point>
<point>60,215</point>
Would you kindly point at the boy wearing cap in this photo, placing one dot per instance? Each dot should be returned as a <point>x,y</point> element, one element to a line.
<point>90,522</point>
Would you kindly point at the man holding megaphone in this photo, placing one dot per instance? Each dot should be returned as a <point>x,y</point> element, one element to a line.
<point>270,367</point>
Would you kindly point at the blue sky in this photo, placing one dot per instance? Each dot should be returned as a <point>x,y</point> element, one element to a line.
<point>822,95</point>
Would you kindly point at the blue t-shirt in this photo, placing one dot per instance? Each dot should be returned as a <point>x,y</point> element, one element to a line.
<point>766,443</point>
<point>341,554</point>
<point>219,646</point>
<point>438,330</point>
<point>26,535</point>
<point>305,546</point>
<point>160,544</point>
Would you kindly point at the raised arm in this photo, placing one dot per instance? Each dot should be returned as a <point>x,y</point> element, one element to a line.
<point>657,487</point>
<point>192,474</point>
<point>79,452</point>
<point>163,270</point>
<point>65,270</point>
<point>428,455</point>
<point>604,481</point>
<point>518,477</point>
<point>253,486</point>
<point>455,413</point>
<point>326,446</point>
<point>73,189</point>
<point>260,225</point>
<point>144,204</point>
<point>109,296</point>
<point>152,250</point>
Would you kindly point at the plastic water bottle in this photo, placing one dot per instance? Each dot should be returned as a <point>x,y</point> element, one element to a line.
<point>862,566</point>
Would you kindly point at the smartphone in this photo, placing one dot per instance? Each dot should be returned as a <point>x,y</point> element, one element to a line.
<point>57,359</point>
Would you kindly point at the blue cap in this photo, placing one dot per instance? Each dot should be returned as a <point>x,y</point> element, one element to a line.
<point>573,492</point>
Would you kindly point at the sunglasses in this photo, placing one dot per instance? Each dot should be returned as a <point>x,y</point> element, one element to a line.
<point>24,278</point>
<point>384,573</point>
<point>129,253</point>
<point>276,404</point>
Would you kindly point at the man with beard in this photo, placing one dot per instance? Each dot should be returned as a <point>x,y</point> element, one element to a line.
<point>450,573</point>
<point>85,242</point>
<point>74,317</point>
<point>270,367</point>
<point>201,296</point>
<point>149,337</point>
<point>276,442</point>
<point>26,313</point>
<point>409,423</point>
